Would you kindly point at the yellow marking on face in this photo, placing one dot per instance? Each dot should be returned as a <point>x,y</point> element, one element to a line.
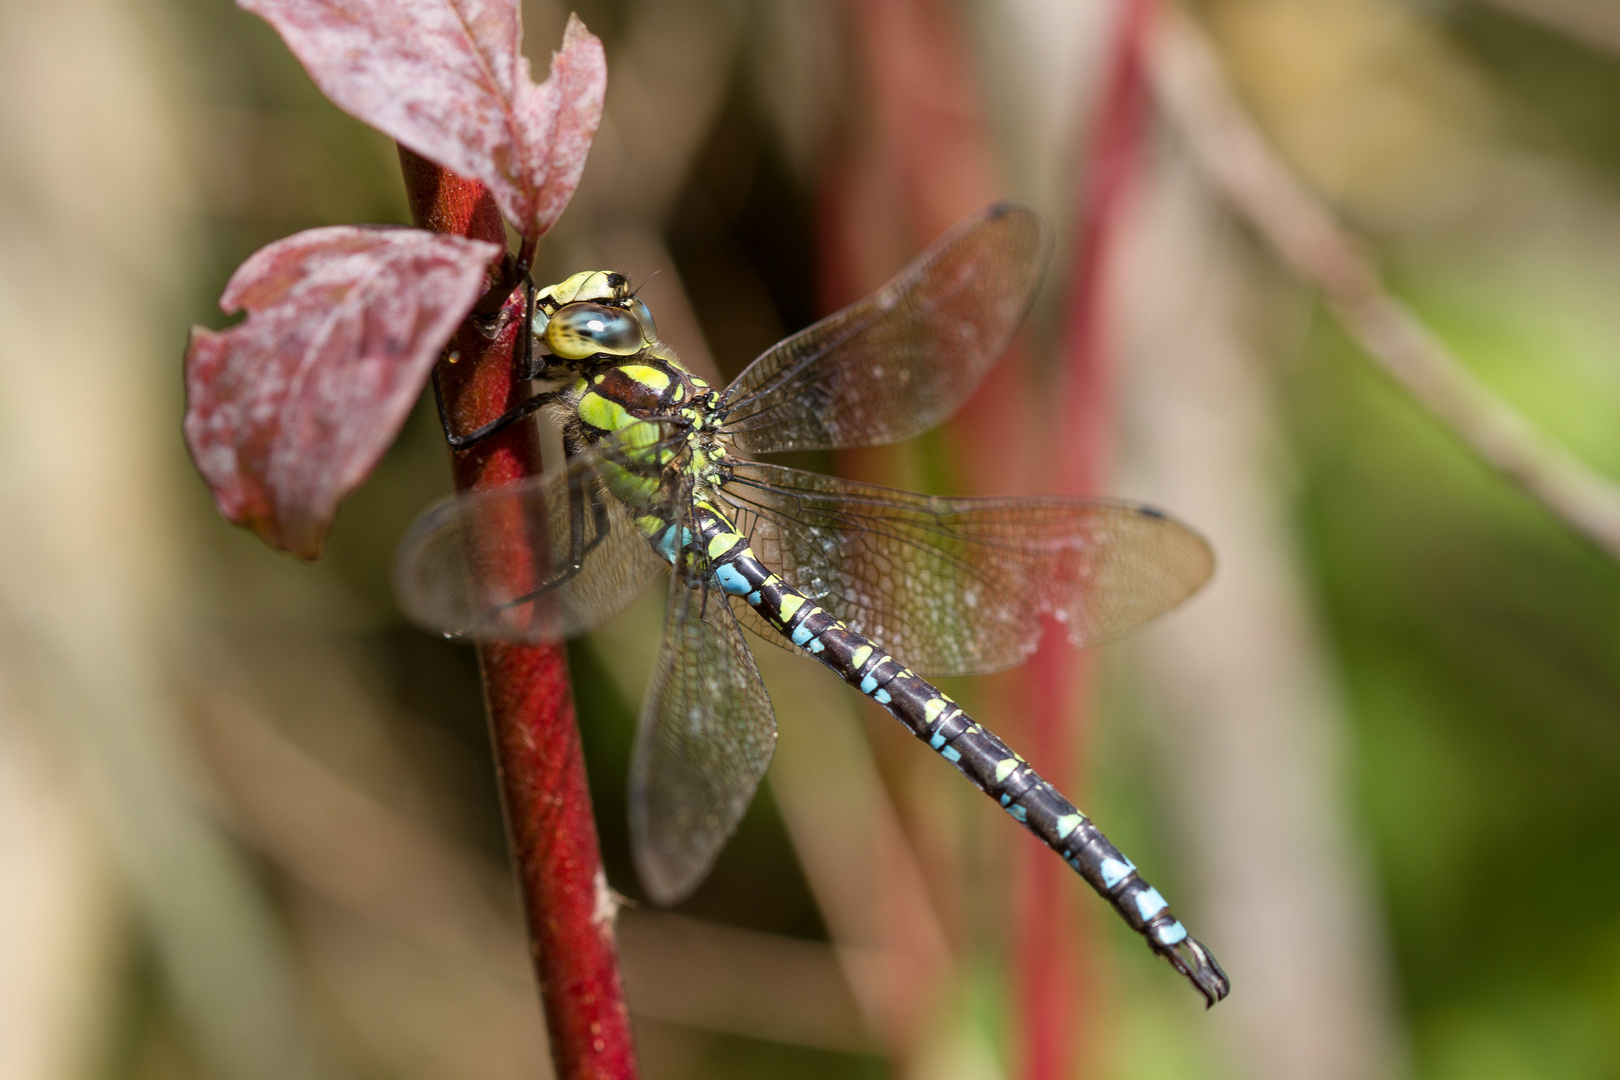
<point>790,604</point>
<point>647,376</point>
<point>585,285</point>
<point>860,655</point>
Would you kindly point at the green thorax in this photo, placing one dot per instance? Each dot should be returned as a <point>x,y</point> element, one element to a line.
<point>630,395</point>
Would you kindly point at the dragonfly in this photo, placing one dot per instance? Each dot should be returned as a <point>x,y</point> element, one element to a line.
<point>877,584</point>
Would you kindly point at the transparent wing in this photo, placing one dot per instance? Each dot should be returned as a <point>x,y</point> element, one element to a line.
<point>706,734</point>
<point>537,561</point>
<point>958,586</point>
<point>903,359</point>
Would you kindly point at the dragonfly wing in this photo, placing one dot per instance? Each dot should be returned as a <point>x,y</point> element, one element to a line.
<point>507,563</point>
<point>903,359</point>
<point>959,586</point>
<point>706,734</point>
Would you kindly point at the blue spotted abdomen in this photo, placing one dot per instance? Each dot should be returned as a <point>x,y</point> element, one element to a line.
<point>975,752</point>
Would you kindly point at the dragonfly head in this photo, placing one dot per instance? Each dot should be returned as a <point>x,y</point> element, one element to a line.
<point>592,315</point>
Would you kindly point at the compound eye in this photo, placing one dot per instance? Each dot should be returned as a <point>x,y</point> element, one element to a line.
<point>578,331</point>
<point>649,330</point>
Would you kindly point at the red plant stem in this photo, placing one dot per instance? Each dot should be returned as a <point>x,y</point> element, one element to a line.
<point>1051,986</point>
<point>926,99</point>
<point>1085,435</point>
<point>922,84</point>
<point>531,709</point>
<point>1116,134</point>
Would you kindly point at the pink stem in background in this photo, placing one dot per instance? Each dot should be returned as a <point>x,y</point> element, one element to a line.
<point>1060,684</point>
<point>531,709</point>
<point>1104,187</point>
<point>931,121</point>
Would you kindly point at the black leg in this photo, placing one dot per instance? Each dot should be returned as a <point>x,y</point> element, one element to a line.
<point>578,546</point>
<point>527,367</point>
<point>505,420</point>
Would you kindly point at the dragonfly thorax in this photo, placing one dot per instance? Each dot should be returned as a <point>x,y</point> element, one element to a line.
<point>630,395</point>
<point>653,418</point>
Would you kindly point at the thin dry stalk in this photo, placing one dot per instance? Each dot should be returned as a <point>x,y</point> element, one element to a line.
<point>1229,147</point>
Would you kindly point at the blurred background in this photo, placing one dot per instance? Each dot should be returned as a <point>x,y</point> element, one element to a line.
<point>248,823</point>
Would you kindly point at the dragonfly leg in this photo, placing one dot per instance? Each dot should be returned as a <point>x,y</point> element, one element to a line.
<point>578,546</point>
<point>529,367</point>
<point>500,423</point>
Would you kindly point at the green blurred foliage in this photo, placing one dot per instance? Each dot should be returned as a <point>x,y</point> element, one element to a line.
<point>1480,647</point>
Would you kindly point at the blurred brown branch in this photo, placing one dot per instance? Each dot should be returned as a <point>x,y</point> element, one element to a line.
<point>1229,147</point>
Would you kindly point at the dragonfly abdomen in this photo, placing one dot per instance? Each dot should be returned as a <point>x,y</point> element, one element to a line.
<point>978,754</point>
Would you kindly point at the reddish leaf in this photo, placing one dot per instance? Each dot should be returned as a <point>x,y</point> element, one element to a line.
<point>447,78</point>
<point>289,410</point>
